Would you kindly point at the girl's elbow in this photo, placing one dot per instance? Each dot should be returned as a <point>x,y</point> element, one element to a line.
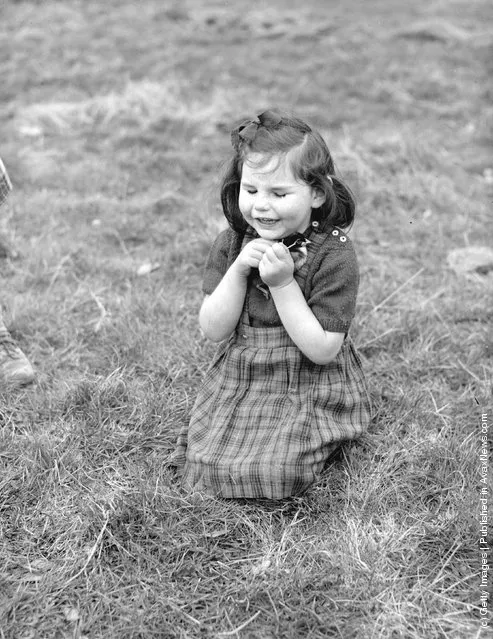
<point>214,337</point>
<point>322,359</point>
<point>212,331</point>
<point>206,326</point>
<point>329,352</point>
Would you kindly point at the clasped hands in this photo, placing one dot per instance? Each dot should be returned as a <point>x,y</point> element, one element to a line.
<point>273,260</point>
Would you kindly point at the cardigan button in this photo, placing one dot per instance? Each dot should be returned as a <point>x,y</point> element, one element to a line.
<point>342,238</point>
<point>335,232</point>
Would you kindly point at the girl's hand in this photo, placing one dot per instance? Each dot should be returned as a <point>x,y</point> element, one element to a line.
<point>251,255</point>
<point>276,267</point>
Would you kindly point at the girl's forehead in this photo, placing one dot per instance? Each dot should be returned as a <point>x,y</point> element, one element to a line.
<point>273,168</point>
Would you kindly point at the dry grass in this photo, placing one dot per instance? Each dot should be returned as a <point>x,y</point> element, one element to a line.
<point>115,120</point>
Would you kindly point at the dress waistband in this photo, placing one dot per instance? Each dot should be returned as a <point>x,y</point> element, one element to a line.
<point>265,337</point>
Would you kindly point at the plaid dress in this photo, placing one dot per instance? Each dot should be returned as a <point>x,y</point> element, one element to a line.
<point>266,418</point>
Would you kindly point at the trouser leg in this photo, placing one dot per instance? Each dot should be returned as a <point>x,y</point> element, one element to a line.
<point>15,368</point>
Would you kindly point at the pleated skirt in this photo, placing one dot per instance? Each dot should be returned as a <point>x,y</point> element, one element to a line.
<point>266,418</point>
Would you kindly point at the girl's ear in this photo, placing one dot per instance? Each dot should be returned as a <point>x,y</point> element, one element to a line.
<point>318,198</point>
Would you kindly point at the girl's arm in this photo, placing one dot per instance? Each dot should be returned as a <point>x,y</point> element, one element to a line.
<point>276,270</point>
<point>221,310</point>
<point>319,345</point>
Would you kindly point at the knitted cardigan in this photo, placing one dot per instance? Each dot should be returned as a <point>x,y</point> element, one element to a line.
<point>329,279</point>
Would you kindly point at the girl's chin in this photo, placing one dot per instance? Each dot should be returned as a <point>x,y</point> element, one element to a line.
<point>270,235</point>
<point>274,232</point>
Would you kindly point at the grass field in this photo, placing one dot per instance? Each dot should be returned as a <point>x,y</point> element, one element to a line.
<point>114,122</point>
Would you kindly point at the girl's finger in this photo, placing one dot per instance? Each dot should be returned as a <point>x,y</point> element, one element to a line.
<point>280,250</point>
<point>257,253</point>
<point>262,244</point>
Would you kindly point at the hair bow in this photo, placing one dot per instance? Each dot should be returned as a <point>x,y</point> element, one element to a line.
<point>248,129</point>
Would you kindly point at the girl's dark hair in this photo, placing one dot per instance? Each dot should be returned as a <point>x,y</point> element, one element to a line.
<point>311,163</point>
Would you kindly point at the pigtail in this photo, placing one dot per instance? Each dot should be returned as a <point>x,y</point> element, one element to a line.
<point>339,206</point>
<point>344,206</point>
<point>230,191</point>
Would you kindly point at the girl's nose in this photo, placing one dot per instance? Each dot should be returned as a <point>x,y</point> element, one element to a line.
<point>261,203</point>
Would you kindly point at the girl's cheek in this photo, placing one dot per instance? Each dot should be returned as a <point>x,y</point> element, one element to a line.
<point>243,203</point>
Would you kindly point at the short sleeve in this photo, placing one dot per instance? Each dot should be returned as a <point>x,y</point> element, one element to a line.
<point>334,288</point>
<point>217,262</point>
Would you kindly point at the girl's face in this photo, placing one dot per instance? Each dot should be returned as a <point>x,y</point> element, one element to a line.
<point>272,200</point>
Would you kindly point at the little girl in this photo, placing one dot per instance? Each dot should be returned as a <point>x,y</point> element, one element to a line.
<point>286,386</point>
